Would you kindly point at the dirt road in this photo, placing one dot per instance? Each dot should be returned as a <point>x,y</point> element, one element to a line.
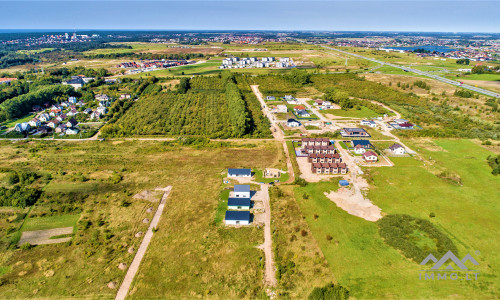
<point>276,131</point>
<point>134,267</point>
<point>270,271</point>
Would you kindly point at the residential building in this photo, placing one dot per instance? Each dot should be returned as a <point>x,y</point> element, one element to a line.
<point>242,191</point>
<point>239,172</point>
<point>34,122</point>
<point>71,123</point>
<point>22,127</point>
<point>369,123</point>
<point>293,123</point>
<point>397,149</point>
<point>238,203</point>
<point>354,132</point>
<point>72,131</point>
<point>282,108</point>
<point>370,156</point>
<point>237,218</point>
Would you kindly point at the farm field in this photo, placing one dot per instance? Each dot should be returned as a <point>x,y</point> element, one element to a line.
<point>109,218</point>
<point>370,268</point>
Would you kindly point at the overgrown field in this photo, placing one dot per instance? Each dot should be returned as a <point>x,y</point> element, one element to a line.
<point>94,183</point>
<point>207,106</point>
<point>467,214</point>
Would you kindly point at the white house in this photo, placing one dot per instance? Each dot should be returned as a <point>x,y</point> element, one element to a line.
<point>22,127</point>
<point>369,123</point>
<point>237,218</point>
<point>72,100</point>
<point>44,117</point>
<point>397,149</point>
<point>370,156</point>
<point>302,113</point>
<point>238,203</point>
<point>293,123</point>
<point>242,191</point>
<point>34,122</point>
<point>282,108</point>
<point>72,131</point>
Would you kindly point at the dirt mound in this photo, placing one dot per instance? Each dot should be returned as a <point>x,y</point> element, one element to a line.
<point>145,221</point>
<point>122,266</point>
<point>131,250</point>
<point>139,234</point>
<point>112,285</point>
<point>353,202</point>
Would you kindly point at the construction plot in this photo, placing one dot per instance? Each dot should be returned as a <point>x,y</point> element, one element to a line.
<point>42,237</point>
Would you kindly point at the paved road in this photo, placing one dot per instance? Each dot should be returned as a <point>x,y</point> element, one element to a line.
<point>442,79</point>
<point>134,267</point>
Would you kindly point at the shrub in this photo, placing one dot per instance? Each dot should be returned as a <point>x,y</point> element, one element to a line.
<point>26,246</point>
<point>329,292</point>
<point>329,237</point>
<point>303,232</point>
<point>300,181</point>
<point>398,232</point>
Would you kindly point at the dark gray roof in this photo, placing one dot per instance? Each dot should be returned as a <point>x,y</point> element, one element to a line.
<point>239,171</point>
<point>242,188</point>
<point>361,142</point>
<point>238,202</point>
<point>238,215</point>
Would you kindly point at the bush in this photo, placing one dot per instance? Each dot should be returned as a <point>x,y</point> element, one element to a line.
<point>115,178</point>
<point>303,232</point>
<point>398,232</point>
<point>329,292</point>
<point>26,246</point>
<point>300,181</point>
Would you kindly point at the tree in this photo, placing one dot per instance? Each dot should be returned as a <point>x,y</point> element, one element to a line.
<point>183,86</point>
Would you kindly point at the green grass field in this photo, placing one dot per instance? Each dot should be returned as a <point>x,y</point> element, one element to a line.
<point>40,223</point>
<point>363,113</point>
<point>487,77</point>
<point>13,123</point>
<point>369,268</point>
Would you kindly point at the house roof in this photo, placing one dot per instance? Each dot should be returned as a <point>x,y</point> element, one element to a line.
<point>395,146</point>
<point>370,153</point>
<point>238,201</point>
<point>292,121</point>
<point>242,188</point>
<point>361,143</point>
<point>237,216</point>
<point>239,172</point>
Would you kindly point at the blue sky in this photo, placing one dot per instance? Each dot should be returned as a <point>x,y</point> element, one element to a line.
<point>402,15</point>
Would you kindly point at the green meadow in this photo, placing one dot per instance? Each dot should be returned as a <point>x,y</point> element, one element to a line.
<point>468,214</point>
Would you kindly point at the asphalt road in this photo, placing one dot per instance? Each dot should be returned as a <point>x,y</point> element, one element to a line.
<point>442,79</point>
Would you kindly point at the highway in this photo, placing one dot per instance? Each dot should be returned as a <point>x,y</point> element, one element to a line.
<point>442,79</point>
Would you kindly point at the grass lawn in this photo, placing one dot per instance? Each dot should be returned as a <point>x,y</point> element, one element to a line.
<point>369,268</point>
<point>13,123</point>
<point>488,77</point>
<point>41,223</point>
<point>362,113</point>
